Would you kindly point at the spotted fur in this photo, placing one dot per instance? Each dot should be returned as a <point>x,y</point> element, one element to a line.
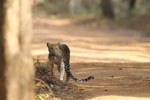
<point>60,55</point>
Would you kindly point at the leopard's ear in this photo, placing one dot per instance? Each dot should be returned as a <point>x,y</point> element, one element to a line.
<point>48,44</point>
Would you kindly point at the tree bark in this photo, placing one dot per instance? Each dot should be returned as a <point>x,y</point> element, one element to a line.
<point>16,70</point>
<point>107,8</point>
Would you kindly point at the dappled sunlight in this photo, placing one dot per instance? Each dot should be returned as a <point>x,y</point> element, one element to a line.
<point>54,22</point>
<point>39,52</point>
<point>114,97</point>
<point>109,55</point>
<point>99,53</point>
<point>104,54</point>
<point>118,59</point>
<point>88,45</point>
<point>121,81</point>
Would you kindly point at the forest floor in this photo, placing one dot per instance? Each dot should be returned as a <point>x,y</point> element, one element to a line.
<point>118,58</point>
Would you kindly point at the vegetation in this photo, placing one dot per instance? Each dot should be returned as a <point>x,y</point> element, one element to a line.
<point>47,87</point>
<point>126,13</point>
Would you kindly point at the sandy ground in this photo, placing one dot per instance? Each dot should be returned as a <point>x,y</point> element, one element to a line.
<point>118,58</point>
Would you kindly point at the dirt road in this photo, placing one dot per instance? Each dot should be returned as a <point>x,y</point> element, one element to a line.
<point>118,58</point>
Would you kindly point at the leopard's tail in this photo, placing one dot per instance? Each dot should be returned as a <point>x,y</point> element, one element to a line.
<point>77,80</point>
<point>82,80</point>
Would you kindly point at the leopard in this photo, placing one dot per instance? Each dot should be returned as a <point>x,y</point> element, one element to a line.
<point>59,54</point>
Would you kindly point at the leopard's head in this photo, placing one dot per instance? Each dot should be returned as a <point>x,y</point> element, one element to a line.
<point>54,49</point>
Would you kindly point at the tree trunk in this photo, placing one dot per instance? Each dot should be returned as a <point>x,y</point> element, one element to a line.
<point>132,4</point>
<point>75,6</point>
<point>107,8</point>
<point>16,70</point>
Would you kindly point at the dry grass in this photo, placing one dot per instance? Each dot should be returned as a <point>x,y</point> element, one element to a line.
<point>48,87</point>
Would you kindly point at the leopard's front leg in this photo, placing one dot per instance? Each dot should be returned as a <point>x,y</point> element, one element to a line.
<point>62,70</point>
